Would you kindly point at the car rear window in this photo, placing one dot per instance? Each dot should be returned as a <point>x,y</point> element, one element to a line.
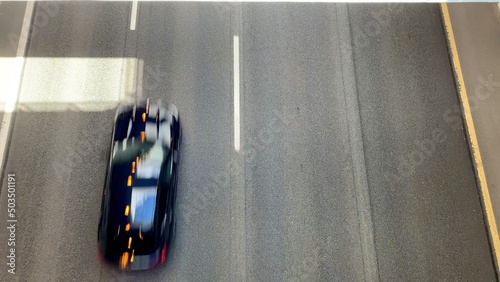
<point>142,209</point>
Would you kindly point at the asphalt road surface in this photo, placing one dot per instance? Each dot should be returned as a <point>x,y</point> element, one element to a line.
<point>320,142</point>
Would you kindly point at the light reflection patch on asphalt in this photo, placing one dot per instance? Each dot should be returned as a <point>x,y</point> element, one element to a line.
<point>79,84</point>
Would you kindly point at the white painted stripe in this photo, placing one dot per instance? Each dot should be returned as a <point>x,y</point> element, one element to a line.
<point>133,15</point>
<point>13,95</point>
<point>236,74</point>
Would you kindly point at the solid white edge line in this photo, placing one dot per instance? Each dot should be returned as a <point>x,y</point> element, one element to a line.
<point>236,70</point>
<point>133,15</point>
<point>13,96</point>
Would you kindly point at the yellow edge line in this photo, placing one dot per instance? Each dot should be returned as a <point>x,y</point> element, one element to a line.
<point>469,123</point>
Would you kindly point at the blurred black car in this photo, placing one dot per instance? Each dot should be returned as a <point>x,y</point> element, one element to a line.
<point>137,220</point>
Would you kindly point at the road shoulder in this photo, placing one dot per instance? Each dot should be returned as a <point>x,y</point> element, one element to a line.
<point>474,42</point>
